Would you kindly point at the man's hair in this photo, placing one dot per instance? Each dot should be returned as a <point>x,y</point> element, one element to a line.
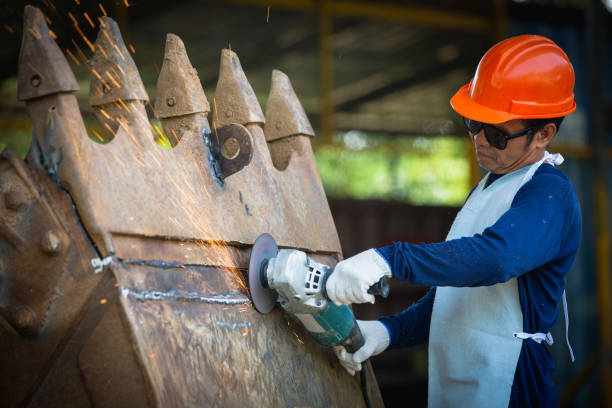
<point>539,124</point>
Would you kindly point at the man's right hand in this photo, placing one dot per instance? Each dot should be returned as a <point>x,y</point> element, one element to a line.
<point>376,338</point>
<point>351,279</point>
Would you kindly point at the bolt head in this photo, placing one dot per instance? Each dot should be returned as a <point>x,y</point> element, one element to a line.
<point>35,80</point>
<point>50,243</point>
<point>228,114</point>
<point>14,199</point>
<point>170,101</point>
<point>24,318</point>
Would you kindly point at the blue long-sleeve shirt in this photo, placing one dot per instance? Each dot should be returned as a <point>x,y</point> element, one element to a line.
<point>535,241</point>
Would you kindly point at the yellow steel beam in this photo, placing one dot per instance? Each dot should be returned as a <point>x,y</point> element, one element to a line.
<point>303,5</point>
<point>326,70</point>
<point>604,283</point>
<point>580,152</point>
<point>410,14</point>
<point>389,12</point>
<point>581,377</point>
<point>500,30</point>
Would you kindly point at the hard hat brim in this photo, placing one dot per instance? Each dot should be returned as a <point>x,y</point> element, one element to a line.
<point>467,107</point>
<point>464,105</point>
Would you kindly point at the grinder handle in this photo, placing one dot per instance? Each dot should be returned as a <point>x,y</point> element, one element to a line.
<point>380,288</point>
<point>354,341</point>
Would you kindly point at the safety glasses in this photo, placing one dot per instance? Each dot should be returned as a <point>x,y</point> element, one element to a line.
<point>496,137</point>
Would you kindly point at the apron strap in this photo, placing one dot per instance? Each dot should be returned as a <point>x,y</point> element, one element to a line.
<point>540,337</point>
<point>569,346</point>
<point>555,159</point>
<point>537,337</point>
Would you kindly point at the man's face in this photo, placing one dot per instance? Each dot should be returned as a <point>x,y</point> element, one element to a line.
<point>517,153</point>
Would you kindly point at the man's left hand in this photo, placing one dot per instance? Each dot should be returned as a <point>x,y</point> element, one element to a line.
<point>351,279</point>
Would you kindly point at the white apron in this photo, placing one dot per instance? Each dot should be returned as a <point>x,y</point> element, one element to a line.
<point>476,333</point>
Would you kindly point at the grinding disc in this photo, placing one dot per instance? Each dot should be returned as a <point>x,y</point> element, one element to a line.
<point>263,249</point>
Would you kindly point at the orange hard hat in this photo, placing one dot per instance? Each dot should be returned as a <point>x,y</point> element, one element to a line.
<point>523,77</point>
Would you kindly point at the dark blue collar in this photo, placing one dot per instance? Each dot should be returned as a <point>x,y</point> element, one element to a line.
<point>491,179</point>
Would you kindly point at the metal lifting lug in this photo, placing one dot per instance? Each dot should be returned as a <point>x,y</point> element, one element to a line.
<point>231,148</point>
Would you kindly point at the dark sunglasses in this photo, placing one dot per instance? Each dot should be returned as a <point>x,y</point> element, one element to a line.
<point>496,137</point>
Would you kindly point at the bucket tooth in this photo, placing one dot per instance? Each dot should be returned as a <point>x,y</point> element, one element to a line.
<point>179,91</point>
<point>116,89</point>
<point>43,69</point>
<point>180,102</point>
<point>114,75</point>
<point>287,127</point>
<point>285,115</point>
<point>235,101</point>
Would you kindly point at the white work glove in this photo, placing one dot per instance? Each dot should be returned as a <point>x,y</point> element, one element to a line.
<point>351,279</point>
<point>377,340</point>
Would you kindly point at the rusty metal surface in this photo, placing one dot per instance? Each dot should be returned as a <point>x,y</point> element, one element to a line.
<point>169,322</point>
<point>287,127</point>
<point>285,115</point>
<point>54,286</point>
<point>38,244</point>
<point>180,101</point>
<point>221,350</point>
<point>179,91</point>
<point>132,169</point>
<point>235,101</point>
<point>108,365</point>
<point>114,76</point>
<point>39,80</point>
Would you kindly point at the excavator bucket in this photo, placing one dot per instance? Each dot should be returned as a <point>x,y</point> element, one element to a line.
<point>123,262</point>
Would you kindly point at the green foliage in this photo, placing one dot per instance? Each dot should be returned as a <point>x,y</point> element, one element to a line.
<point>17,140</point>
<point>418,170</point>
<point>159,135</point>
<point>15,134</point>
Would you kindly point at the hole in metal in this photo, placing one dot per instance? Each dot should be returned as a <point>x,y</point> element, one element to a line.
<point>35,80</point>
<point>231,148</point>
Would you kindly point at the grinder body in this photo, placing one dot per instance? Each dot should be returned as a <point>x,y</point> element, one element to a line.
<point>297,283</point>
<point>300,284</point>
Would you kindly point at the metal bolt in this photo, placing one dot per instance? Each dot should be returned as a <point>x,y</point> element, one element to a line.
<point>228,113</point>
<point>278,125</point>
<point>24,318</point>
<point>14,199</point>
<point>170,101</point>
<point>35,81</point>
<point>50,243</point>
<point>105,88</point>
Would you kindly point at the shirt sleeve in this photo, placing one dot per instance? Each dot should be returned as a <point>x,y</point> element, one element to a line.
<point>411,327</point>
<point>525,237</point>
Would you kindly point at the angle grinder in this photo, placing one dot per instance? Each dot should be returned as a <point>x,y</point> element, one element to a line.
<point>297,283</point>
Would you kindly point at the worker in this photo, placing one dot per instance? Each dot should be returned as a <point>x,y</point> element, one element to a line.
<point>498,279</point>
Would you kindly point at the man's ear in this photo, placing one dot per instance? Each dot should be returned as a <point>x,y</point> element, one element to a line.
<point>545,135</point>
